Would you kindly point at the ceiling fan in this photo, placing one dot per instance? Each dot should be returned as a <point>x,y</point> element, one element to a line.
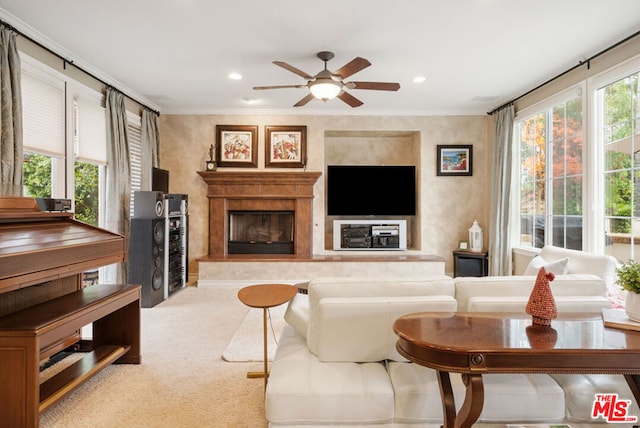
<point>327,85</point>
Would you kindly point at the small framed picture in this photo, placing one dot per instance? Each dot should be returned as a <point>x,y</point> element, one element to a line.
<point>237,145</point>
<point>455,160</point>
<point>463,245</point>
<point>286,146</point>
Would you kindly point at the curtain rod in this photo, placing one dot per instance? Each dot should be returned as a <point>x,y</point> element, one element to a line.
<point>580,64</point>
<point>69,61</point>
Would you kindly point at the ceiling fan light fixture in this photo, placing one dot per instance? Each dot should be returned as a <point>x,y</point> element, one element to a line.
<point>325,90</point>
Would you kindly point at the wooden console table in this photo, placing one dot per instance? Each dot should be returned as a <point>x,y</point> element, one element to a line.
<point>477,343</point>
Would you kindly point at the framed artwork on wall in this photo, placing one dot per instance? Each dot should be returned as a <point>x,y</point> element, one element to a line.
<point>237,145</point>
<point>286,146</point>
<point>455,160</point>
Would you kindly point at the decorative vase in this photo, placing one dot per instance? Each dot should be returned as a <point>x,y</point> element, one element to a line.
<point>632,306</point>
<point>541,305</point>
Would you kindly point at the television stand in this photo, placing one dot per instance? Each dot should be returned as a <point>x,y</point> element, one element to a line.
<point>370,235</point>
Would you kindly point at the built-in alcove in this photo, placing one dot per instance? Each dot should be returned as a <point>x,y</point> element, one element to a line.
<point>362,147</point>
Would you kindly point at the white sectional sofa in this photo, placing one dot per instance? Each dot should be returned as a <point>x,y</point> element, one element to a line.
<point>336,362</point>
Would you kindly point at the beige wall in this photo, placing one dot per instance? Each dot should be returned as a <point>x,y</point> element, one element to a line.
<point>447,205</point>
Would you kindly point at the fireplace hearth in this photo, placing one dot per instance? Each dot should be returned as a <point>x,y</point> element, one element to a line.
<point>259,192</point>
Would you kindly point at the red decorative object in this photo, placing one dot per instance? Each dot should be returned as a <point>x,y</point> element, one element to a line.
<point>541,305</point>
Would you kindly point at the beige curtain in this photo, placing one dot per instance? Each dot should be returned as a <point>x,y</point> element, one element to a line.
<point>500,242</point>
<point>10,116</point>
<point>117,216</point>
<point>150,142</point>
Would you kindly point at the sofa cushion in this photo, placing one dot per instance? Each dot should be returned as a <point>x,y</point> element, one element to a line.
<point>304,391</point>
<point>297,313</point>
<point>600,265</point>
<point>379,287</point>
<point>361,328</point>
<point>365,307</point>
<point>508,397</point>
<point>581,285</point>
<point>580,392</point>
<point>557,267</point>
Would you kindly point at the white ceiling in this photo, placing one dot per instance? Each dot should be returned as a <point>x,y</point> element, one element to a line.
<point>176,55</point>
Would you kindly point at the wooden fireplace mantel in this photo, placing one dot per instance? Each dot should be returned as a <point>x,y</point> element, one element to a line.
<point>260,191</point>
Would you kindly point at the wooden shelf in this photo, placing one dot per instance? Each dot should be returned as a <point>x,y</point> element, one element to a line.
<point>78,373</point>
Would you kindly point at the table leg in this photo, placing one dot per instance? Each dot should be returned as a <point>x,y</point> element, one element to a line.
<point>448,402</point>
<point>265,372</point>
<point>264,329</point>
<point>634,385</point>
<point>473,401</point>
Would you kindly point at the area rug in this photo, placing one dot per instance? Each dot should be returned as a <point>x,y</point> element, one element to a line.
<point>247,344</point>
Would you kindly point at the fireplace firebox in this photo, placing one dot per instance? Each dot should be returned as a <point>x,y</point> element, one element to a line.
<point>261,232</point>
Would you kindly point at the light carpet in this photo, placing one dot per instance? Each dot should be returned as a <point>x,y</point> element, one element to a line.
<point>247,344</point>
<point>182,381</point>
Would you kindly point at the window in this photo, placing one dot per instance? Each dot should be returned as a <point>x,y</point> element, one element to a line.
<point>618,136</point>
<point>64,142</point>
<point>90,155</point>
<point>550,147</point>
<point>43,99</point>
<point>37,176</point>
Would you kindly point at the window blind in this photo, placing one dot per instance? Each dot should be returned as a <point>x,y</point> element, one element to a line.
<point>43,101</point>
<point>135,154</point>
<point>90,129</point>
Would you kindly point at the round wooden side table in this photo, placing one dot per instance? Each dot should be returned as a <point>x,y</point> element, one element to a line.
<point>266,296</point>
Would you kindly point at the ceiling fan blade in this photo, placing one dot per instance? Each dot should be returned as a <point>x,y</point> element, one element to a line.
<point>292,69</point>
<point>279,87</point>
<point>304,101</point>
<point>376,86</point>
<point>352,67</point>
<point>350,99</point>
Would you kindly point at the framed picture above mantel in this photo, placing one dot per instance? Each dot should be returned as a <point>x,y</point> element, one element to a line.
<point>237,146</point>
<point>285,146</point>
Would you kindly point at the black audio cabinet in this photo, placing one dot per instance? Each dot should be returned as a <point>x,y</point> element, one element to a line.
<point>158,245</point>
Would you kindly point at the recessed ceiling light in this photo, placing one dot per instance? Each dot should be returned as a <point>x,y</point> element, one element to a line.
<point>235,76</point>
<point>251,100</point>
<point>419,79</point>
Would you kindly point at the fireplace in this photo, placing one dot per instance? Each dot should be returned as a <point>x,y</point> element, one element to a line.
<point>256,193</point>
<point>260,232</point>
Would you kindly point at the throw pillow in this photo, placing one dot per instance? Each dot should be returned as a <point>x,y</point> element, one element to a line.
<point>558,267</point>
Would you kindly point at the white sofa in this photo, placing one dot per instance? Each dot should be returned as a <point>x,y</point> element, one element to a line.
<point>336,362</point>
<point>582,286</point>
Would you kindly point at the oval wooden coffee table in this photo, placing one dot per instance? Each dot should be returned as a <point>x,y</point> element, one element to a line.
<point>477,343</point>
<point>266,296</point>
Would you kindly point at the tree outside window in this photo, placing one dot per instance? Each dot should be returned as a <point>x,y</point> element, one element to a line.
<point>621,165</point>
<point>551,176</point>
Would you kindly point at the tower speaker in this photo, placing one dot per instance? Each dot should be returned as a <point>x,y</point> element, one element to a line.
<point>148,204</point>
<point>147,258</point>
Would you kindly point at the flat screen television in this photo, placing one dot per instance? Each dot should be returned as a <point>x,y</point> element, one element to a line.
<point>160,180</point>
<point>371,190</point>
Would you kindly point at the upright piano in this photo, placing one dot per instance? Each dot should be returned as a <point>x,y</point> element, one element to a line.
<point>43,255</point>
